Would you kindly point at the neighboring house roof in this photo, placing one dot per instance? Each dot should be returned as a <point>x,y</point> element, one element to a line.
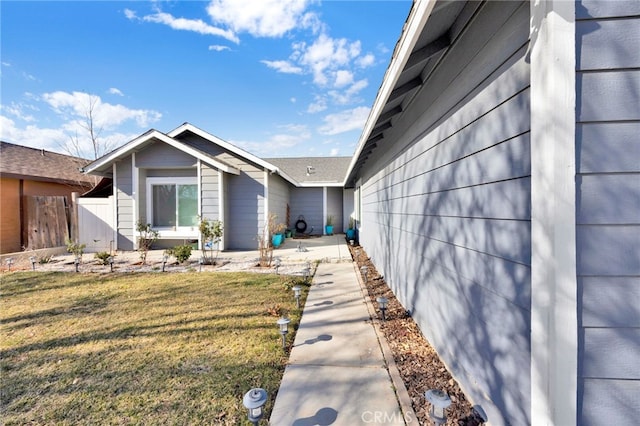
<point>103,165</point>
<point>22,162</point>
<point>314,171</point>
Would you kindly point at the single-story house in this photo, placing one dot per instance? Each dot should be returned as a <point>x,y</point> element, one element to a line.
<point>26,173</point>
<point>497,189</point>
<point>171,180</point>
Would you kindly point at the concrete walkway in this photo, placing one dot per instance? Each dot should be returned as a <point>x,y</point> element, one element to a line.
<point>337,372</point>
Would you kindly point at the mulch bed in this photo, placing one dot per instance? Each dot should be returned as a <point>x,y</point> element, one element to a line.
<point>419,365</point>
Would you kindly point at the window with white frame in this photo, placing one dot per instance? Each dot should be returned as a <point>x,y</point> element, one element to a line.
<point>172,202</point>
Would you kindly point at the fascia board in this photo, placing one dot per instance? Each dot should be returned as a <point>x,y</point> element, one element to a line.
<point>226,145</point>
<point>146,137</point>
<point>416,21</point>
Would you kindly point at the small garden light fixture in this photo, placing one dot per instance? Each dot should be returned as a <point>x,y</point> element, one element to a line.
<point>110,260</point>
<point>439,402</point>
<point>382,302</point>
<point>76,262</point>
<point>365,270</point>
<point>283,324</point>
<point>201,262</point>
<point>277,265</point>
<point>33,262</point>
<point>296,293</point>
<point>165,259</point>
<point>10,262</point>
<point>352,242</point>
<point>253,401</point>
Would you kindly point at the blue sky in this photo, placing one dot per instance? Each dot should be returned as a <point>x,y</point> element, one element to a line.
<point>275,77</point>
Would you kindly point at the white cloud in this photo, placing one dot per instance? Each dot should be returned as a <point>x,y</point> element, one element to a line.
<point>218,48</point>
<point>70,110</point>
<point>325,56</point>
<point>115,91</point>
<point>366,60</point>
<point>184,24</point>
<point>343,78</point>
<point>18,111</point>
<point>277,144</point>
<point>262,18</point>
<point>345,121</point>
<point>334,152</point>
<point>349,95</point>
<point>283,66</point>
<point>6,64</point>
<point>108,116</point>
<point>319,104</point>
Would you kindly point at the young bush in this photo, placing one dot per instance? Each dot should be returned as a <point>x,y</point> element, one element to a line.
<point>146,237</point>
<point>181,253</point>
<point>76,248</point>
<point>103,256</point>
<point>211,232</point>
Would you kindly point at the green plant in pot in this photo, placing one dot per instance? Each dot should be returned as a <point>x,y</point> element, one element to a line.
<point>351,231</point>
<point>328,229</point>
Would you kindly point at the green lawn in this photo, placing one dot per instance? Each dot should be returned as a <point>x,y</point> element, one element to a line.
<point>173,348</point>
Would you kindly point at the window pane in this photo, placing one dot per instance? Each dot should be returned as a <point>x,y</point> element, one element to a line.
<point>164,205</point>
<point>187,205</point>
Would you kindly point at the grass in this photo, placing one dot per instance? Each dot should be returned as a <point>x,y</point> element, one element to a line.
<point>179,348</point>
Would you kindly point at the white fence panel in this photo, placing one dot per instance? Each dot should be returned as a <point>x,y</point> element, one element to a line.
<point>95,224</point>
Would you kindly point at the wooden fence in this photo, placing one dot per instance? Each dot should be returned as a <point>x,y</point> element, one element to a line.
<point>46,221</point>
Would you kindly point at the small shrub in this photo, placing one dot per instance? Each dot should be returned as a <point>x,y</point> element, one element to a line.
<point>146,237</point>
<point>103,256</point>
<point>45,259</point>
<point>76,248</point>
<point>211,232</point>
<point>181,253</point>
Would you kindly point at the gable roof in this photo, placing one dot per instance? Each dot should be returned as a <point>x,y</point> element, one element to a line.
<point>17,161</point>
<point>314,171</point>
<point>103,164</point>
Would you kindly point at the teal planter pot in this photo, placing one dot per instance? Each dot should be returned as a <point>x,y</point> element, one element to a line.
<point>351,234</point>
<point>277,239</point>
<point>328,229</point>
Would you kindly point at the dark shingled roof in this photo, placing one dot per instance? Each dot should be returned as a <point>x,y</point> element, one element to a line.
<point>21,162</point>
<point>326,170</point>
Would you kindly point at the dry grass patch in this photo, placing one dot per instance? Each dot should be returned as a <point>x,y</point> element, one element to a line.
<point>138,348</point>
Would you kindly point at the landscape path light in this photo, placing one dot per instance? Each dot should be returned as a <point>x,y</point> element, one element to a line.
<point>283,324</point>
<point>201,262</point>
<point>110,260</point>
<point>77,263</point>
<point>33,262</point>
<point>253,401</point>
<point>165,258</point>
<point>10,262</point>
<point>277,265</point>
<point>352,242</point>
<point>439,401</point>
<point>296,293</point>
<point>365,271</point>
<point>382,302</point>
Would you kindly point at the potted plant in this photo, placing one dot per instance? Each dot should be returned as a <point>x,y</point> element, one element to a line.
<point>328,229</point>
<point>277,236</point>
<point>351,231</point>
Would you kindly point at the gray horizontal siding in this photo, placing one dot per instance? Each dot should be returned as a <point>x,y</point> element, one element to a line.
<point>210,199</point>
<point>279,198</point>
<point>246,208</point>
<point>124,204</point>
<point>608,211</point>
<point>308,203</point>
<point>160,155</point>
<point>446,211</point>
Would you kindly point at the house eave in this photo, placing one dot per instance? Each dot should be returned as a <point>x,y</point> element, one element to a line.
<point>417,19</point>
<point>99,166</point>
